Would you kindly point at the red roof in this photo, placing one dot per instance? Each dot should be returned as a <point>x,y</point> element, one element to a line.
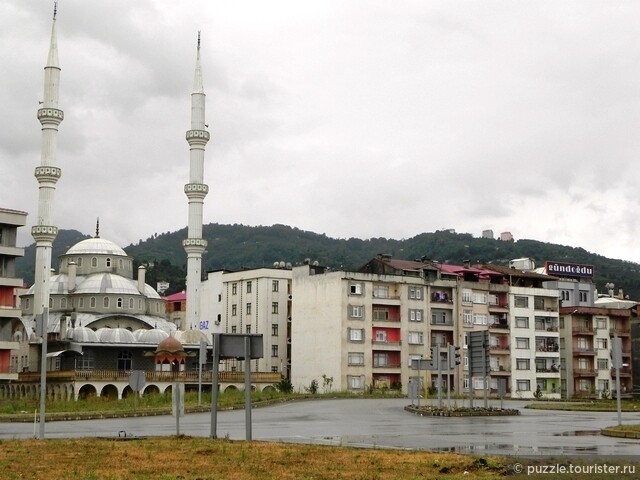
<point>177,297</point>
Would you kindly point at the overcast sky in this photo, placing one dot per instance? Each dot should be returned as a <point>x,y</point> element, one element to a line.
<point>350,118</point>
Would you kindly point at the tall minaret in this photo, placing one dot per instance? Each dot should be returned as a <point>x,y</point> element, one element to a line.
<point>47,175</point>
<point>196,190</point>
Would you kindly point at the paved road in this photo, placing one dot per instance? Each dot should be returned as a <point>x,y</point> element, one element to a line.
<point>378,423</point>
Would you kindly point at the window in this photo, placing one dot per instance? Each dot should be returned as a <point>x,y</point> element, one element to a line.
<point>415,315</point>
<point>602,343</point>
<point>274,329</point>
<point>480,319</point>
<point>356,382</point>
<point>356,334</point>
<point>584,385</point>
<point>603,364</point>
<point>140,304</point>
<point>50,302</point>
<point>465,362</point>
<point>355,358</point>
<point>355,289</point>
<point>86,361</point>
<point>380,315</point>
<point>416,338</point>
<point>124,360</point>
<point>565,295</point>
<point>356,311</point>
<point>107,262</point>
<point>79,261</point>
<point>467,295</point>
<point>234,329</point>
<point>467,317</point>
<point>415,293</point>
<point>438,318</point>
<point>94,262</point>
<point>248,328</point>
<point>584,296</point>
<point>523,364</point>
<point>81,302</point>
<point>480,297</point>
<point>234,289</point>
<point>63,303</point>
<point>601,323</point>
<point>105,302</point>
<point>119,302</point>
<point>381,336</point>
<point>380,359</point>
<point>234,310</point>
<point>274,369</point>
<point>523,385</point>
<point>522,322</point>
<point>521,302</point>
<point>465,383</point>
<point>130,303</point>
<point>275,285</point>
<point>120,264</point>
<point>603,385</point>
<point>92,302</point>
<point>274,307</point>
<point>522,343</point>
<point>249,286</point>
<point>274,350</point>
<point>381,291</point>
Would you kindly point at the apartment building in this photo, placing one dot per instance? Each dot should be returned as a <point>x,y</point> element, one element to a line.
<point>14,348</point>
<point>587,326</point>
<point>251,301</point>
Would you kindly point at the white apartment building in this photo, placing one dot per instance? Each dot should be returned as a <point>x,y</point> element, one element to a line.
<point>256,301</point>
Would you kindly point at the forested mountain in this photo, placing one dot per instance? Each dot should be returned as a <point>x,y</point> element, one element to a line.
<point>234,247</point>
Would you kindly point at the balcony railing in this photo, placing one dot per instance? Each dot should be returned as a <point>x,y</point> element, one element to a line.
<point>584,372</point>
<point>504,326</point>
<point>584,350</point>
<point>389,364</point>
<point>619,331</point>
<point>582,329</point>
<point>444,323</point>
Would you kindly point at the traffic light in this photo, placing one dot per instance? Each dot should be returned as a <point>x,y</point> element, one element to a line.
<point>435,356</point>
<point>453,356</point>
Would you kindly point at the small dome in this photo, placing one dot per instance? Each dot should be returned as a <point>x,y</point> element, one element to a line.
<point>170,345</point>
<point>115,335</point>
<point>98,246</point>
<point>190,337</point>
<point>82,334</point>
<point>106,283</point>
<point>153,335</point>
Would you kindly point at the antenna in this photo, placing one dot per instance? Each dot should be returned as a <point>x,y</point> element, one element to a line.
<point>55,9</point>
<point>198,39</point>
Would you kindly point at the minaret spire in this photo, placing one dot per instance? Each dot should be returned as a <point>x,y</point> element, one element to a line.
<point>47,174</point>
<point>97,227</point>
<point>196,190</point>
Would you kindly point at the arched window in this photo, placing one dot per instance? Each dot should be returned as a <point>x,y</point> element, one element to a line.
<point>131,303</point>
<point>81,302</point>
<point>92,302</point>
<point>119,302</point>
<point>63,303</point>
<point>107,262</point>
<point>120,264</point>
<point>105,302</point>
<point>50,302</point>
<point>94,262</point>
<point>139,304</point>
<point>79,261</point>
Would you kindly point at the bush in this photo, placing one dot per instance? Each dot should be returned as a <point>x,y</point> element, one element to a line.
<point>284,385</point>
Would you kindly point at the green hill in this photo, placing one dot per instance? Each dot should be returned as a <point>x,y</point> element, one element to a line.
<point>234,247</point>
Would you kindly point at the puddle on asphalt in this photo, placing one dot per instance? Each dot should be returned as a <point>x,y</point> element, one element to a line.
<point>507,449</point>
<point>578,433</point>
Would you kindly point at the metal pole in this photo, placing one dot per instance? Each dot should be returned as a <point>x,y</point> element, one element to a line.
<point>214,385</point>
<point>617,356</point>
<point>247,385</point>
<point>43,371</point>
<point>419,388</point>
<point>176,389</point>
<point>199,382</point>
<point>485,338</point>
<point>439,380</point>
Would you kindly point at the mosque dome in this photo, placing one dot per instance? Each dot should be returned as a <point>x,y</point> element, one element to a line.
<point>190,337</point>
<point>154,335</point>
<point>106,283</point>
<point>96,246</point>
<point>115,335</point>
<point>82,334</point>
<point>170,345</point>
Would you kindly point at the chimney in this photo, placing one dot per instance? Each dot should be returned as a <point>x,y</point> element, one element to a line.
<point>63,327</point>
<point>71,286</point>
<point>141,274</point>
<point>467,264</point>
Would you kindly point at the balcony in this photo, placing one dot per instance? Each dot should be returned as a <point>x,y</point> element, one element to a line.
<point>442,297</point>
<point>624,372</point>
<point>442,323</point>
<point>582,330</point>
<point>500,371</point>
<point>499,349</point>
<point>499,326</point>
<point>584,372</point>
<point>390,364</point>
<point>387,343</point>
<point>620,331</point>
<point>584,351</point>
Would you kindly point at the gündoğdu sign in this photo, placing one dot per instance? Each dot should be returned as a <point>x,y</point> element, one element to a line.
<point>560,269</point>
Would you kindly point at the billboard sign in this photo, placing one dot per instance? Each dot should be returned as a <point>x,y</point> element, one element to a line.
<point>561,269</point>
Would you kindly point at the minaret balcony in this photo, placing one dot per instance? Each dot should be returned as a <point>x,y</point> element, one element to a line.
<point>48,174</point>
<point>44,233</point>
<point>196,190</point>
<point>197,137</point>
<point>50,115</point>
<point>194,245</point>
